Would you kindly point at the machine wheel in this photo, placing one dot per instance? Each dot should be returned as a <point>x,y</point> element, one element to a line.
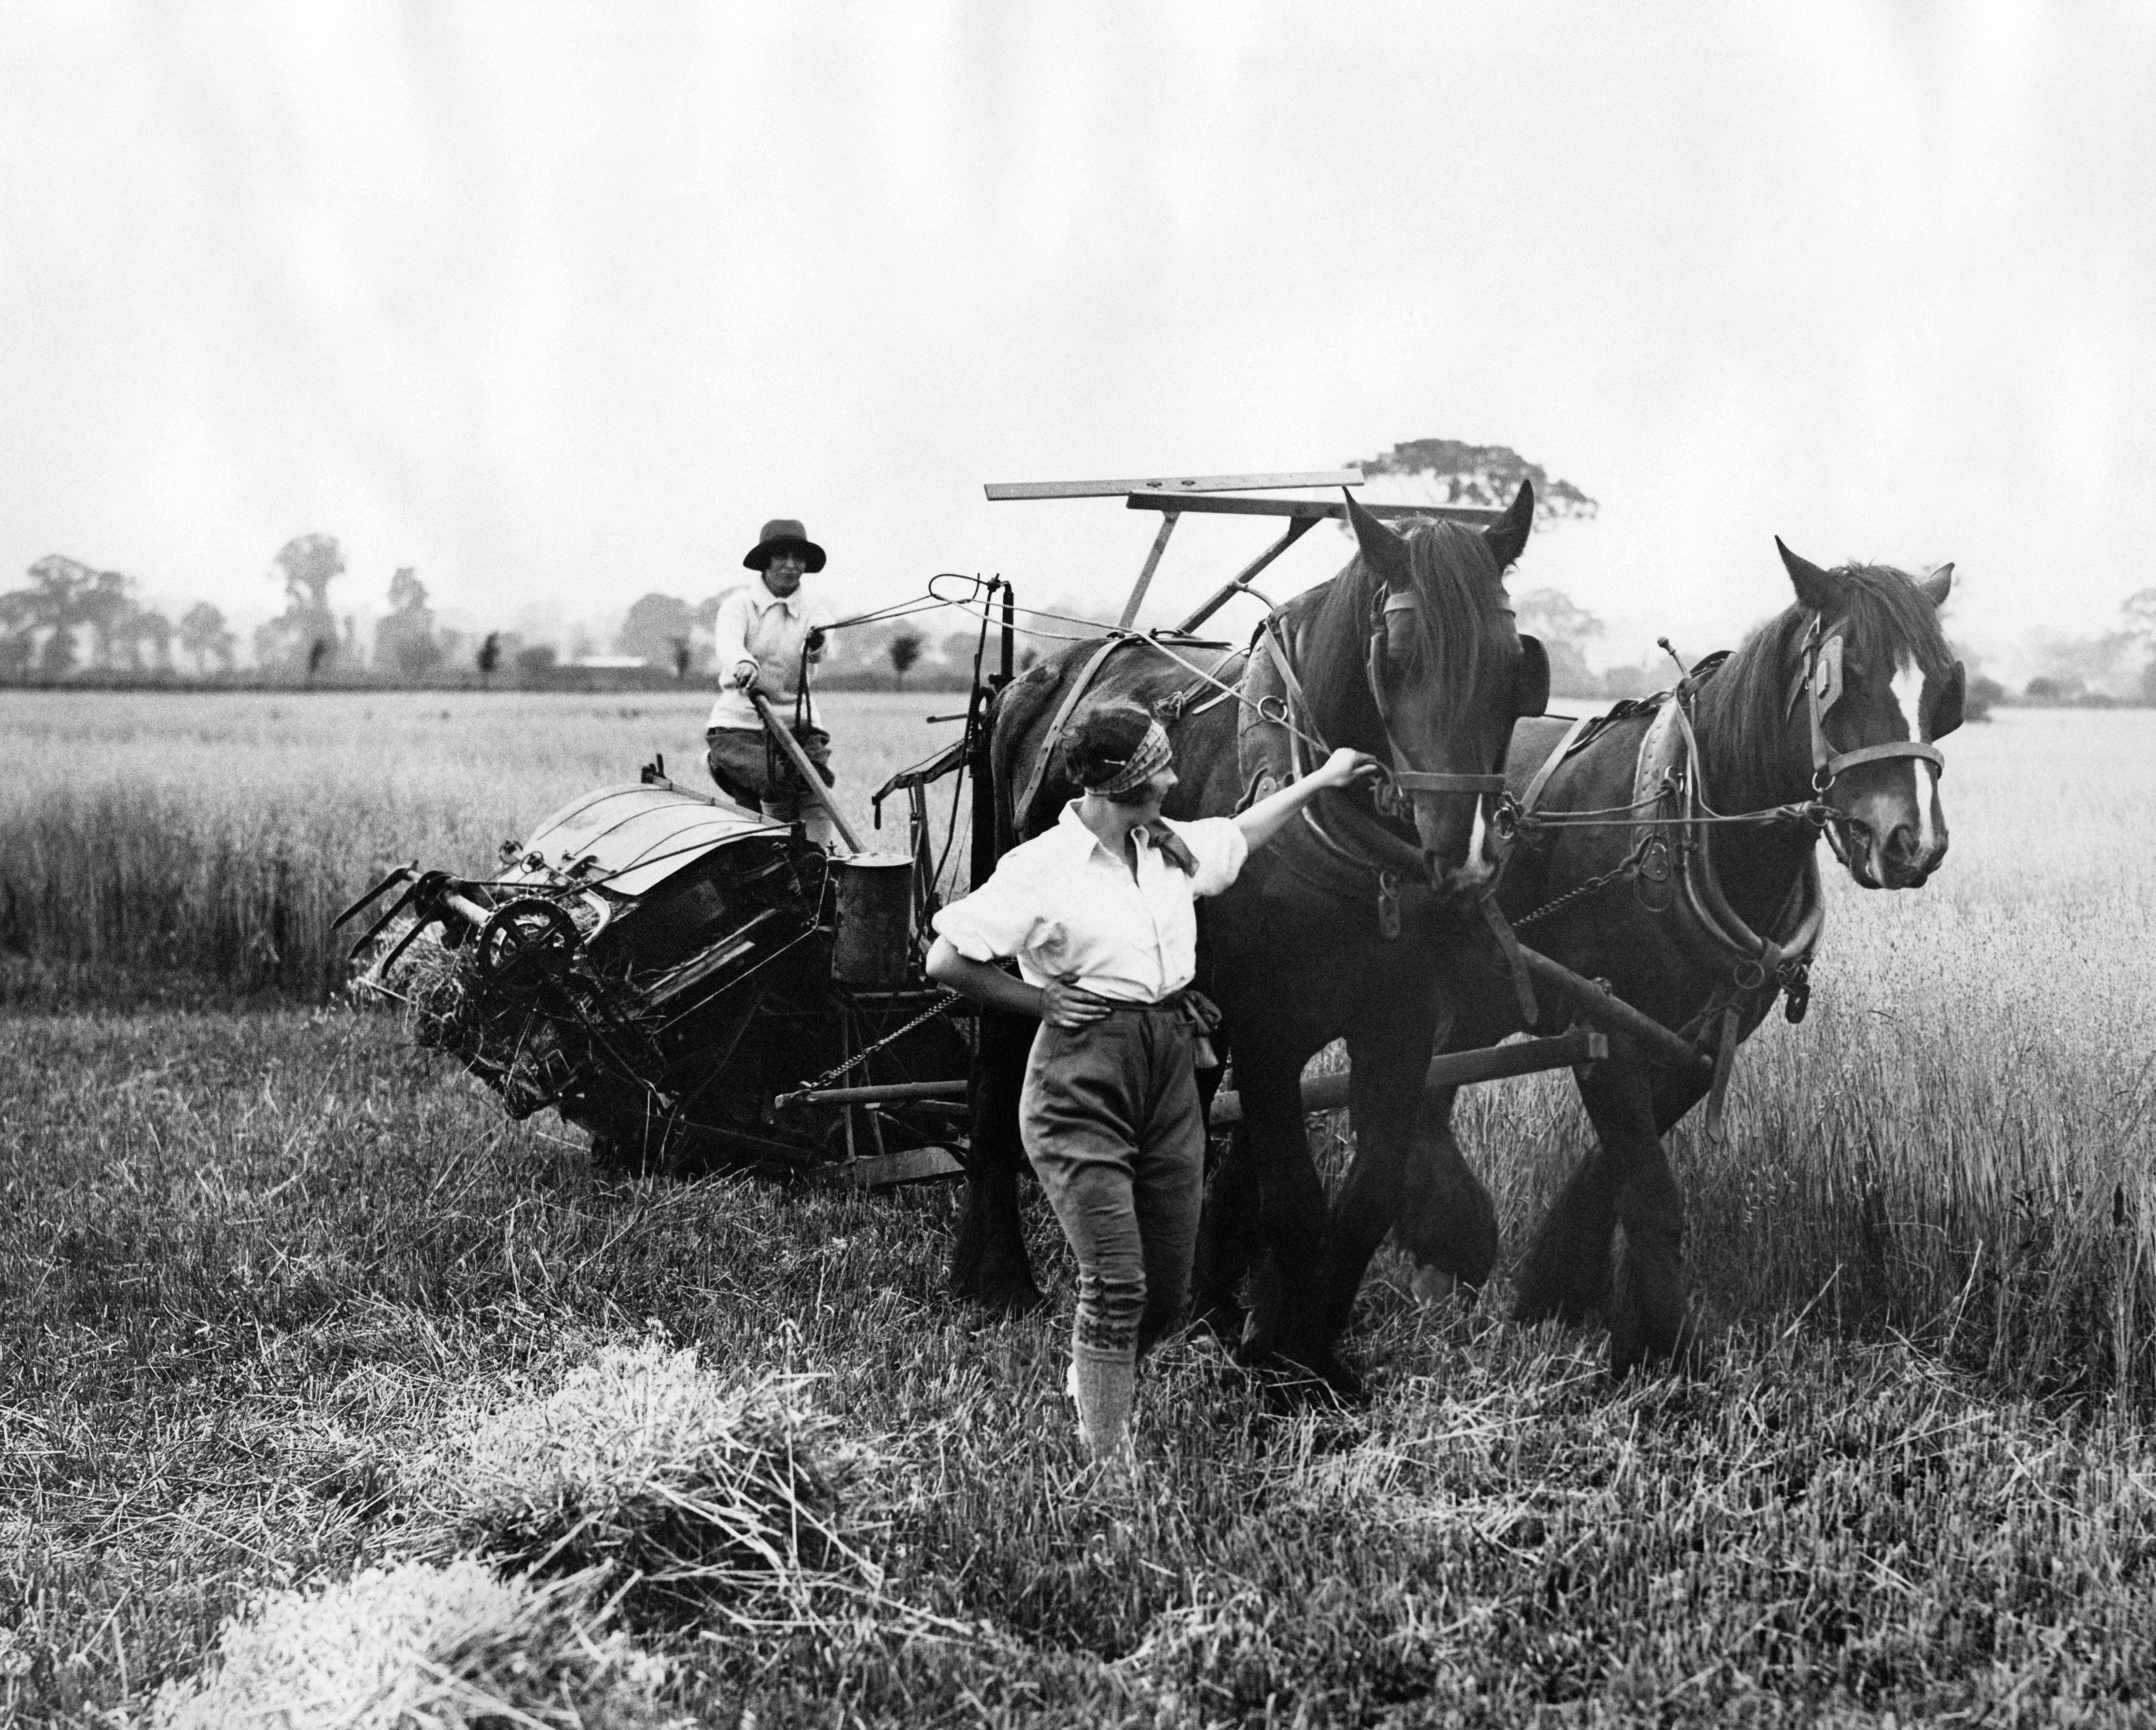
<point>528,943</point>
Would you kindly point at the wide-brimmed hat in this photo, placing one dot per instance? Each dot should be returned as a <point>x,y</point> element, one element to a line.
<point>779,532</point>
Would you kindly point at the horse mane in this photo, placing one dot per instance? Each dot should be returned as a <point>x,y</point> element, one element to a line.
<point>1463,613</point>
<point>1743,713</point>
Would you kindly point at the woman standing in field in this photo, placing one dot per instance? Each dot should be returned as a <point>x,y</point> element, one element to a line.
<point>1100,915</point>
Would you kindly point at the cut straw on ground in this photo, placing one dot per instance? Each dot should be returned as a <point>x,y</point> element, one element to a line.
<point>422,1646</point>
<point>705,1497</point>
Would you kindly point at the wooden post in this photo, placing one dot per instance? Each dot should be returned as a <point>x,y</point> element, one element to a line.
<point>806,770</point>
<point>1297,527</point>
<point>1455,1069</point>
<point>1608,1010</point>
<point>1167,522</point>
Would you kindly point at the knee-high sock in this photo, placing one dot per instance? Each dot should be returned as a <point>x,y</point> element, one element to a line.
<point>1103,1379</point>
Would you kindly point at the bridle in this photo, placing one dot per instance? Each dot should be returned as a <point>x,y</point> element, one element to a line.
<point>1378,851</point>
<point>1395,785</point>
<point>1410,782</point>
<point>1818,681</point>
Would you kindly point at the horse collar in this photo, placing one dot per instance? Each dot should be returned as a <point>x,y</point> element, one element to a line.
<point>1667,783</point>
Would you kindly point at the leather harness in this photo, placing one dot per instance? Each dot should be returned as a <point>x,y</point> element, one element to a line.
<point>1668,786</point>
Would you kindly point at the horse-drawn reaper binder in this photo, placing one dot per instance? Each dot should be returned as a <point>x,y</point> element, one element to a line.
<point>698,988</point>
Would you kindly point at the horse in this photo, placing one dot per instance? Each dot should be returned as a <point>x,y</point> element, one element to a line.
<point>1342,928</point>
<point>1701,914</point>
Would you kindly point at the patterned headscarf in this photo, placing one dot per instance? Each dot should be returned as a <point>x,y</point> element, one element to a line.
<point>1152,755</point>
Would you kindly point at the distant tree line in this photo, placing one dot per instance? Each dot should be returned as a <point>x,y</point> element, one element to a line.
<point>71,621</point>
<point>2116,668</point>
<point>74,622</point>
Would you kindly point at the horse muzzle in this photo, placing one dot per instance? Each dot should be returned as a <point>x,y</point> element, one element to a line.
<point>1465,882</point>
<point>1898,860</point>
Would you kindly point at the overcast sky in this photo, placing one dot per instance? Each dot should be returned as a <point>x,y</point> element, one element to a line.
<point>559,302</point>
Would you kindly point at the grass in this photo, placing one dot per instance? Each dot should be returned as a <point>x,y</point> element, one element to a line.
<point>185,842</point>
<point>281,1250</point>
<point>260,1265</point>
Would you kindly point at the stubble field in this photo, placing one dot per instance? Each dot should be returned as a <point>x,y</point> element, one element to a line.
<point>258,1256</point>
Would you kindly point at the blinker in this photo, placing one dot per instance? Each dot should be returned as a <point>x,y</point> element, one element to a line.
<point>1826,679</point>
<point>1531,679</point>
<point>1953,693</point>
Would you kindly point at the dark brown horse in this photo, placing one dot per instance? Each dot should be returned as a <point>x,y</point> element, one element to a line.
<point>1342,927</point>
<point>1823,719</point>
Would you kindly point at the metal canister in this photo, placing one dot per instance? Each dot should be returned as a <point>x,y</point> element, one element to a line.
<point>874,943</point>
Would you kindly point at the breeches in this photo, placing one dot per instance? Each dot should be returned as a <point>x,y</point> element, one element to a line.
<point>749,769</point>
<point>1111,1123</point>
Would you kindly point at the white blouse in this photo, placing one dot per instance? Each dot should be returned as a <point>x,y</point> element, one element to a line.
<point>1069,910</point>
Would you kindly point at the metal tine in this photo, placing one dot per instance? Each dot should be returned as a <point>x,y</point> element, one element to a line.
<point>410,870</point>
<point>397,907</point>
<point>381,970</point>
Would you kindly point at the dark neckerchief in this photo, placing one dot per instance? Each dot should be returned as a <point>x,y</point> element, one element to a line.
<point>1172,847</point>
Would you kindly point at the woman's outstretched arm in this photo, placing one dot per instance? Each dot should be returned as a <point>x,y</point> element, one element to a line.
<point>1263,820</point>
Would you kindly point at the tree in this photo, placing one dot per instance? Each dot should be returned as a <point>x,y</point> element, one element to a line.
<point>683,655</point>
<point>488,659</point>
<point>536,662</point>
<point>1565,628</point>
<point>309,564</point>
<point>305,634</point>
<point>405,643</point>
<point>53,604</point>
<point>2139,611</point>
<point>105,607</point>
<point>18,647</point>
<point>145,639</point>
<point>205,636</point>
<point>653,624</point>
<point>904,650</point>
<point>1445,472</point>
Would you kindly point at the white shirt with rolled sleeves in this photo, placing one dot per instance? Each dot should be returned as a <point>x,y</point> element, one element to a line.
<point>755,624</point>
<point>1069,910</point>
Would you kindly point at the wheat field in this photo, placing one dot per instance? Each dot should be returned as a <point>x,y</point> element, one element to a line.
<point>209,838</point>
<point>259,1254</point>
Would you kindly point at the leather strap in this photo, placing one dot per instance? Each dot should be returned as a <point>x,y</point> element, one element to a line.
<point>1275,640</point>
<point>1046,754</point>
<point>1419,781</point>
<point>1883,753</point>
<point>1566,746</point>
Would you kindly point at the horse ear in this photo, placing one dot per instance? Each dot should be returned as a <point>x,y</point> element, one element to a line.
<point>1939,584</point>
<point>1817,589</point>
<point>1385,551</point>
<point>1531,679</point>
<point>1946,716</point>
<point>1507,538</point>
